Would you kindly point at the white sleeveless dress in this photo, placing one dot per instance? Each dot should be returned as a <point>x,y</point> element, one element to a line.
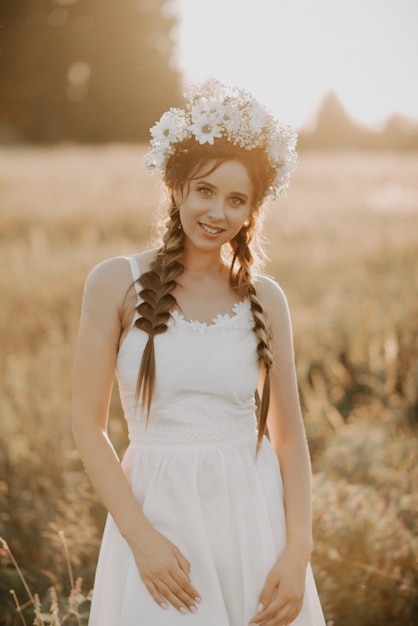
<point>197,478</point>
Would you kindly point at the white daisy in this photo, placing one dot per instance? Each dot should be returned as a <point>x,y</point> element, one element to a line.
<point>202,107</point>
<point>165,130</point>
<point>230,118</point>
<point>205,130</point>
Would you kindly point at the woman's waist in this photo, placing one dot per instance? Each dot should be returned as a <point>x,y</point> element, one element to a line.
<point>203,433</point>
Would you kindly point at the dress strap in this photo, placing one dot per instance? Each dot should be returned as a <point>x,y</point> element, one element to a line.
<point>135,273</point>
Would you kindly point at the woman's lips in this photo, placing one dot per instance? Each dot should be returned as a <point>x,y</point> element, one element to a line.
<point>211,230</point>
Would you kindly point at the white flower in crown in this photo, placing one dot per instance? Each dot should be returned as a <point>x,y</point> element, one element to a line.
<point>160,158</point>
<point>165,130</point>
<point>257,117</point>
<point>287,169</point>
<point>206,118</point>
<point>231,118</point>
<point>205,128</point>
<point>203,106</point>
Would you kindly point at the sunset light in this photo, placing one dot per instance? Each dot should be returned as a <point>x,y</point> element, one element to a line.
<point>291,52</point>
<point>209,329</point>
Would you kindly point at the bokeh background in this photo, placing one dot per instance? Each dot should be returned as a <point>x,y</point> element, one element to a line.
<point>81,82</point>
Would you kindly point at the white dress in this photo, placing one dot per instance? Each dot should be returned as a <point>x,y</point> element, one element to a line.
<point>197,478</point>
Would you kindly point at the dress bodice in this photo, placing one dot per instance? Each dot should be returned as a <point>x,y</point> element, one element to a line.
<point>204,373</point>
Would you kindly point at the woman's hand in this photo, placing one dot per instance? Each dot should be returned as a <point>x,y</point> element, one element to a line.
<point>281,600</point>
<point>166,573</point>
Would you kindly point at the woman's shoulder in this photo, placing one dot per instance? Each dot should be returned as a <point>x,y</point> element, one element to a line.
<point>145,259</point>
<point>112,278</point>
<point>117,268</point>
<point>274,303</point>
<point>270,292</point>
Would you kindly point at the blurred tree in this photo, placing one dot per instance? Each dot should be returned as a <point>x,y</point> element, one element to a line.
<point>85,70</point>
<point>336,129</point>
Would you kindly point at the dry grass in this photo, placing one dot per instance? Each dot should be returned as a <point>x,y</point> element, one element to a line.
<point>344,247</point>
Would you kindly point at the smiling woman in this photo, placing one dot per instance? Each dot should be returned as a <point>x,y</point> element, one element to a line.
<point>207,516</point>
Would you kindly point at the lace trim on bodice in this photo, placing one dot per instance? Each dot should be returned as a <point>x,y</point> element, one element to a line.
<point>241,318</point>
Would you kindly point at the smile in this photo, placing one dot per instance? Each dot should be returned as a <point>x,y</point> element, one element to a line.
<point>210,229</point>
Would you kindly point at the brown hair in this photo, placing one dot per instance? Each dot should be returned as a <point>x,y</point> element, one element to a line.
<point>160,281</point>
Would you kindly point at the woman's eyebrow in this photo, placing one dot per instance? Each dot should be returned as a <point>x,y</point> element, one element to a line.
<point>239,193</point>
<point>202,181</point>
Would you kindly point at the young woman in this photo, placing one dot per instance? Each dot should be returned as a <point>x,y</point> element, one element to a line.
<point>209,520</point>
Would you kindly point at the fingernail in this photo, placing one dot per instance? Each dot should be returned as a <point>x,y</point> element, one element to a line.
<point>260,607</point>
<point>183,610</point>
<point>198,599</point>
<point>163,605</point>
<point>192,609</point>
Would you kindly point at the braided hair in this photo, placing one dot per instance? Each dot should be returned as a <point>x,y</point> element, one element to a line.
<point>160,281</point>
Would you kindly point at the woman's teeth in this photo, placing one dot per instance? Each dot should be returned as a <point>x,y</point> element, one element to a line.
<point>210,230</point>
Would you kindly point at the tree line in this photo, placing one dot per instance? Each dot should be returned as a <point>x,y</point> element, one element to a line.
<point>100,71</point>
<point>85,70</point>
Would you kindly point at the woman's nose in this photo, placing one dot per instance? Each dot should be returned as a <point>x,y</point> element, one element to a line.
<point>216,209</point>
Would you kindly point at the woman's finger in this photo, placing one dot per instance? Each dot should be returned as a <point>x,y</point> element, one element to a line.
<point>182,586</point>
<point>279,613</point>
<point>265,596</point>
<point>280,610</point>
<point>159,599</point>
<point>184,564</point>
<point>175,595</point>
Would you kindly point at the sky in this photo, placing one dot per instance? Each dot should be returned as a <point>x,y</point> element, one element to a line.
<point>289,53</point>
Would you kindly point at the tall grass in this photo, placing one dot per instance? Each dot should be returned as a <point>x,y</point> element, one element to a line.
<point>344,247</point>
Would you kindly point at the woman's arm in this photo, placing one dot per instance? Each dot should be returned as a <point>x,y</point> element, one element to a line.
<point>164,570</point>
<point>282,595</point>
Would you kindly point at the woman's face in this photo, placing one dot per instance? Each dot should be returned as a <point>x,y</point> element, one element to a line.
<point>216,205</point>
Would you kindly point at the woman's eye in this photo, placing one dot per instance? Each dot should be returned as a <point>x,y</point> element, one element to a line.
<point>236,201</point>
<point>204,191</point>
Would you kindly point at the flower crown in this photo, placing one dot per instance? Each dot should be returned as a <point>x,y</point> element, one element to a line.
<point>219,111</point>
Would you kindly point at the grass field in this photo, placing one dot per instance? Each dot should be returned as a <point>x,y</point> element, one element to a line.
<point>344,245</point>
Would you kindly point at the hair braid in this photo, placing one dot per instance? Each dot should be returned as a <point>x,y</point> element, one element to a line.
<point>158,300</point>
<point>243,279</point>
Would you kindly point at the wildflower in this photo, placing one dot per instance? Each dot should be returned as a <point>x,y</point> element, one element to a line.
<point>165,130</point>
<point>205,131</point>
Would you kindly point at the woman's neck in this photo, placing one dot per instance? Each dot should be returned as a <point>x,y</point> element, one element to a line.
<point>202,264</point>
